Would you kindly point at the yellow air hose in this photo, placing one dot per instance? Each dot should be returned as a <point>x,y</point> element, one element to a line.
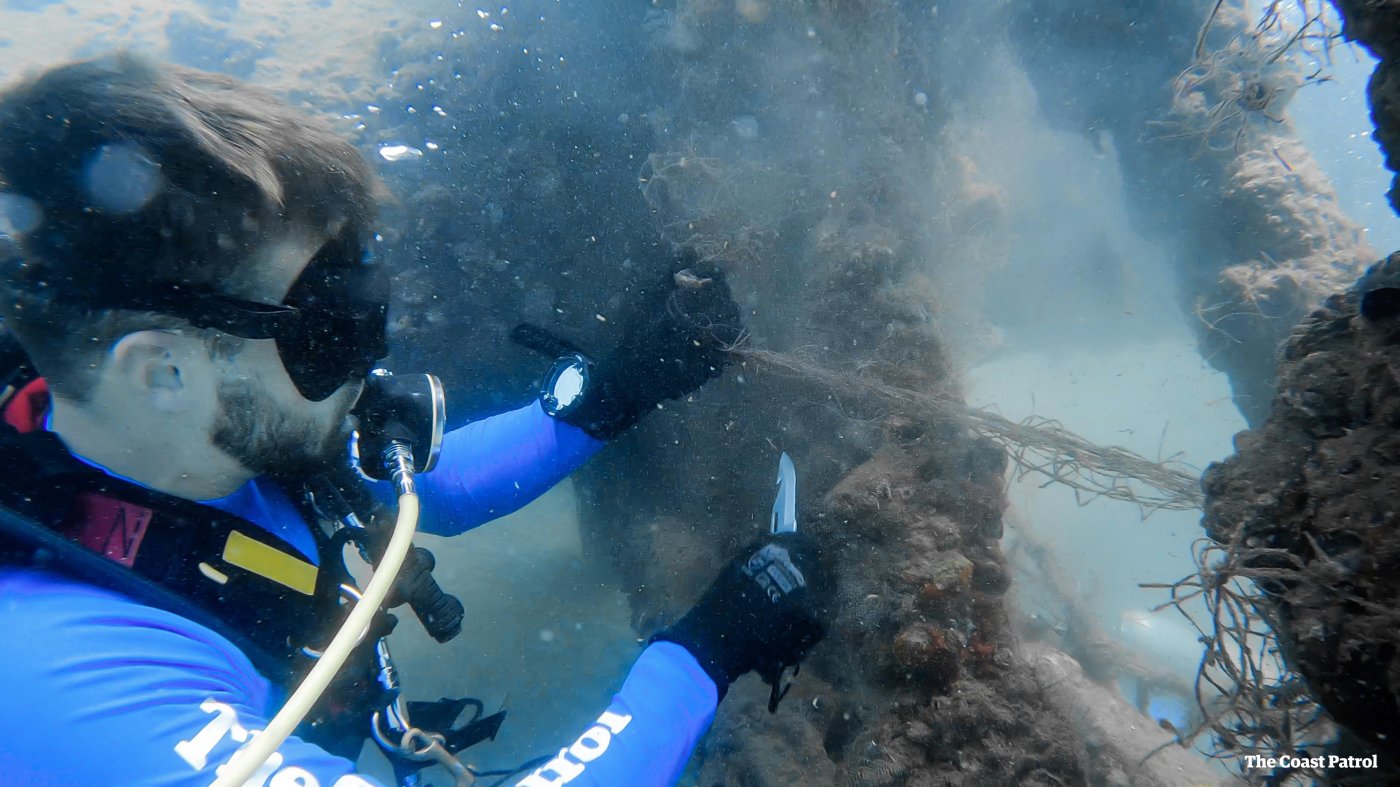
<point>254,754</point>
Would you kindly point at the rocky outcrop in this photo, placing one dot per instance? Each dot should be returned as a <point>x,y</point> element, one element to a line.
<point>1308,501</point>
<point>821,189</point>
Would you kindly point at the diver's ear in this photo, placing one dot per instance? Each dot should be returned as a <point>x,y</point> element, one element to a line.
<point>156,366</point>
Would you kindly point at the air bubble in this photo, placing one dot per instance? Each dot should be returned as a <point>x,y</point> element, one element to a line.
<point>120,178</point>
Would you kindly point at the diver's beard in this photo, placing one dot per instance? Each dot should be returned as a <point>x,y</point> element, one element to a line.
<point>267,440</point>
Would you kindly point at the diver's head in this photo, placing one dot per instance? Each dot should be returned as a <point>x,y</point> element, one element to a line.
<point>189,253</point>
<point>289,373</point>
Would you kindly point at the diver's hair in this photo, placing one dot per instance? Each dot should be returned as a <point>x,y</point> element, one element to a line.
<point>120,171</point>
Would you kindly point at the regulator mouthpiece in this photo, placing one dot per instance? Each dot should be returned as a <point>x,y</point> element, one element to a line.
<point>401,424</point>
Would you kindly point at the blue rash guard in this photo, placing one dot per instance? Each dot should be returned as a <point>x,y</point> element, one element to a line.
<point>101,690</point>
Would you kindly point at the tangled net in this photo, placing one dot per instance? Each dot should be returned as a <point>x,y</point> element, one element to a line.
<point>1253,75</point>
<point>1250,701</point>
<point>1036,445</point>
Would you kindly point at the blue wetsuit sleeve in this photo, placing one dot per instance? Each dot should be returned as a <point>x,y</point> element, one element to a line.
<point>493,467</point>
<point>647,734</point>
<point>103,691</point>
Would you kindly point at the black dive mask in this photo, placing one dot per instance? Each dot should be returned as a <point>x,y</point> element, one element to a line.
<point>329,330</point>
<point>344,299</point>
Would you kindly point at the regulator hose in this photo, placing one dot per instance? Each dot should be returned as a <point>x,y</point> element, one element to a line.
<point>255,752</point>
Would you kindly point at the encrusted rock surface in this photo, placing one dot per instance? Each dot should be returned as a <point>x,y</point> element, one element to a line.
<point>1311,496</point>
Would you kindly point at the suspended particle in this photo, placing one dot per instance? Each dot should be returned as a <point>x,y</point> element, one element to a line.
<point>399,152</point>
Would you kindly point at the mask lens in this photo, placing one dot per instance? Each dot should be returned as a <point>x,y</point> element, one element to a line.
<point>343,300</point>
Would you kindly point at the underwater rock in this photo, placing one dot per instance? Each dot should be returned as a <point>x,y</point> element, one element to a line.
<point>867,497</point>
<point>991,576</point>
<point>942,576</point>
<point>1309,497</point>
<point>934,532</point>
<point>929,653</point>
<point>1306,250</point>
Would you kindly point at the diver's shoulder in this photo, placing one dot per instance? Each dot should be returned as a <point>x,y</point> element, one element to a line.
<point>93,672</point>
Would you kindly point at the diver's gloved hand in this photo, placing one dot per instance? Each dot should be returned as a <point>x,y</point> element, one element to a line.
<point>673,342</point>
<point>765,610</point>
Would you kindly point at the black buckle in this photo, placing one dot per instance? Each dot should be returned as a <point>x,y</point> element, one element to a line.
<point>438,716</point>
<point>441,714</point>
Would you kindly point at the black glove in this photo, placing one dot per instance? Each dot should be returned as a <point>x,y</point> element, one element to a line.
<point>674,340</point>
<point>765,610</point>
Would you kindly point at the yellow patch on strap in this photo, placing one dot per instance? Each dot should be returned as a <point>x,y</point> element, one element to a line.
<point>274,564</point>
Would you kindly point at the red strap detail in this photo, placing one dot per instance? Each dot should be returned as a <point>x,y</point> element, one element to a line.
<point>26,409</point>
<point>109,527</point>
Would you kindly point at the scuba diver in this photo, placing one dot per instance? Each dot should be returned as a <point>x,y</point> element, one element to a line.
<point>194,431</point>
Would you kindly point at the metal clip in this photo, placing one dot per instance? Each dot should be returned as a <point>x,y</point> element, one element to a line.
<point>428,747</point>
